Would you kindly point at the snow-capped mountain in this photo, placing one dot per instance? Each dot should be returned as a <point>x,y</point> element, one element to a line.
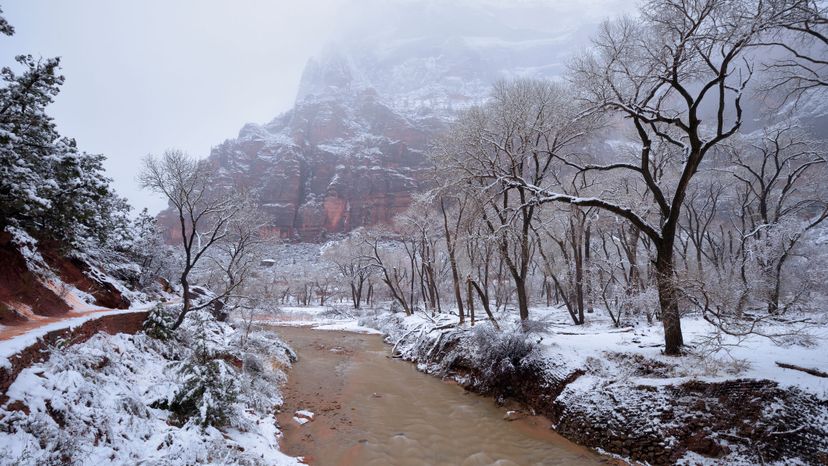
<point>328,165</point>
<point>353,149</point>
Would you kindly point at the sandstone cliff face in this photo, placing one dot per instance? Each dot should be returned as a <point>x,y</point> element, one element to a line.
<point>330,165</point>
<point>352,151</point>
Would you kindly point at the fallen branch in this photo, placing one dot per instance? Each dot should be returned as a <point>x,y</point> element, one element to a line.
<point>443,327</point>
<point>807,370</point>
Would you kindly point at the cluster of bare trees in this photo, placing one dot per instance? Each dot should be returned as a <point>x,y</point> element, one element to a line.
<point>630,187</point>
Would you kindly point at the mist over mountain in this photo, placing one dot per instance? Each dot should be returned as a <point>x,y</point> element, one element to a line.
<point>352,151</point>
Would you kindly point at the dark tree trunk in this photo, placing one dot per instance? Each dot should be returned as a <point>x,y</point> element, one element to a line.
<point>453,261</point>
<point>668,300</point>
<point>187,298</point>
<point>523,300</point>
<point>470,299</point>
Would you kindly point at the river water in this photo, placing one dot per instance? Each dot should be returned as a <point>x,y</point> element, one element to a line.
<point>370,409</point>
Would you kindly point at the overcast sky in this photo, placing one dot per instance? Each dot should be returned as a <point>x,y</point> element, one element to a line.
<point>144,76</point>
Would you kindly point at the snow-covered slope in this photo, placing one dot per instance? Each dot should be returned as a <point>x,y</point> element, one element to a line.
<point>113,400</point>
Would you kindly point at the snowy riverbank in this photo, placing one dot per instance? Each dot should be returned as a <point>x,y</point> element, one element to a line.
<point>611,389</point>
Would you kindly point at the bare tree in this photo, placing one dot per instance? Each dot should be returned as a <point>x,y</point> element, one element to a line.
<point>232,260</point>
<point>451,231</point>
<point>563,247</point>
<point>780,173</point>
<point>515,136</point>
<point>799,46</point>
<point>389,262</point>
<point>204,213</point>
<point>351,259</point>
<point>662,72</point>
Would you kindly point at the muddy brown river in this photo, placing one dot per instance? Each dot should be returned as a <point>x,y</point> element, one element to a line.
<point>371,409</point>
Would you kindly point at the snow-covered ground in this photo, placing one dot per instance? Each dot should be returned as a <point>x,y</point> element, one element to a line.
<point>319,318</point>
<point>753,356</point>
<point>109,400</point>
<point>31,333</point>
<point>729,357</point>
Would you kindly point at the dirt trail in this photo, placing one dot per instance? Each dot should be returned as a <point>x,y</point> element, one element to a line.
<point>36,321</point>
<point>370,409</point>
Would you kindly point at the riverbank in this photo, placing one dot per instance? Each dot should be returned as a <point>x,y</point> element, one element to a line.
<point>611,390</point>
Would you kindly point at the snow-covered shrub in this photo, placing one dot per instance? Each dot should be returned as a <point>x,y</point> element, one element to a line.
<point>263,356</point>
<point>116,399</point>
<point>159,323</point>
<point>208,394</point>
<point>499,353</point>
<point>262,342</point>
<point>200,330</point>
<point>336,312</point>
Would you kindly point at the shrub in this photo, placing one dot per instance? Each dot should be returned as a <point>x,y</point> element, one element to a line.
<point>159,323</point>
<point>208,393</point>
<point>500,354</point>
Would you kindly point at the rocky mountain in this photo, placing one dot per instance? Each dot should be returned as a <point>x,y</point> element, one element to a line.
<point>353,149</point>
<point>333,163</point>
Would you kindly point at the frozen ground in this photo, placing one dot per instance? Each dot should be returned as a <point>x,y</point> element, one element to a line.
<point>745,357</point>
<point>320,318</point>
<point>108,401</point>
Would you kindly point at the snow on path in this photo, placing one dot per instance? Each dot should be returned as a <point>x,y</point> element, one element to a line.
<point>14,339</point>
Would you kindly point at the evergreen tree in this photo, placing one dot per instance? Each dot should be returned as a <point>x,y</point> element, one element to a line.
<point>47,186</point>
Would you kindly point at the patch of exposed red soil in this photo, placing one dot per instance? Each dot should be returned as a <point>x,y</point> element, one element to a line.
<point>26,299</point>
<point>78,273</point>
<point>19,286</point>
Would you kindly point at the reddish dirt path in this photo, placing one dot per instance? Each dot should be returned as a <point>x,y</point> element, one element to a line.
<point>35,322</point>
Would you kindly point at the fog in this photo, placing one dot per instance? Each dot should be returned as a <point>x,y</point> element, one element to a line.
<point>145,76</point>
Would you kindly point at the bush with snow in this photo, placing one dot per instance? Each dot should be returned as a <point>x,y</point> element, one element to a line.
<point>208,394</point>
<point>159,323</point>
<point>499,353</point>
<point>127,399</point>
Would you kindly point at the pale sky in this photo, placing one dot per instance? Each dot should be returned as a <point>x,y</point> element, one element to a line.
<point>144,76</point>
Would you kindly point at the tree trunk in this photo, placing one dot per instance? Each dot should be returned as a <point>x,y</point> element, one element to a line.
<point>453,261</point>
<point>590,305</point>
<point>356,293</point>
<point>670,318</point>
<point>484,299</point>
<point>185,287</point>
<point>523,300</point>
<point>470,299</point>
